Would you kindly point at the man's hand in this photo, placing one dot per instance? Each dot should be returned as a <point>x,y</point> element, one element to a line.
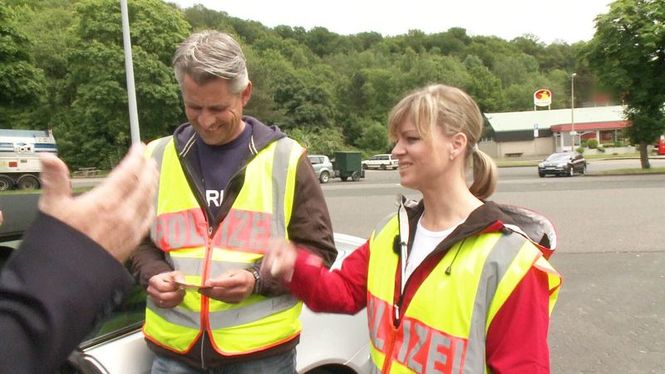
<point>164,291</point>
<point>116,214</point>
<point>231,287</point>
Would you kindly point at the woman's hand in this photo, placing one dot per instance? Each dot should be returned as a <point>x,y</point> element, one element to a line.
<point>279,261</point>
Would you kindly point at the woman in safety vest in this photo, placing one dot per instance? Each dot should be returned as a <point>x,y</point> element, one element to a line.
<point>452,283</point>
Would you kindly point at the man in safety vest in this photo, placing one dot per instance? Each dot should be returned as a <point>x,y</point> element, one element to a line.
<point>228,186</point>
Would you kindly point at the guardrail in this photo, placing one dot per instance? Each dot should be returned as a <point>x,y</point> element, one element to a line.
<point>87,172</point>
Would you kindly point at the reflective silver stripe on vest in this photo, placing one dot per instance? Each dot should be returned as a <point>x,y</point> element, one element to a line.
<point>158,156</point>
<point>177,315</point>
<point>252,312</point>
<point>280,169</point>
<point>374,369</point>
<point>188,265</point>
<point>225,318</point>
<point>158,151</point>
<point>496,265</point>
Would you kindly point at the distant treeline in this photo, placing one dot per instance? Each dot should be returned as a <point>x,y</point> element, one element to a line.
<point>62,67</point>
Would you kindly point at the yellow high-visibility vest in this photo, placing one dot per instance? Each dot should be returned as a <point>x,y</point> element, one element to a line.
<point>443,329</point>
<point>261,212</point>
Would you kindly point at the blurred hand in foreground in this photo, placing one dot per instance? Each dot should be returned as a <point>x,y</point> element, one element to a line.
<point>117,213</point>
<point>279,261</point>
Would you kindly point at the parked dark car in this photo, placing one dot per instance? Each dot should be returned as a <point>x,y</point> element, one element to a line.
<point>564,163</point>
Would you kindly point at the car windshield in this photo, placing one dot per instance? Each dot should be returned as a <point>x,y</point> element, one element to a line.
<point>558,157</point>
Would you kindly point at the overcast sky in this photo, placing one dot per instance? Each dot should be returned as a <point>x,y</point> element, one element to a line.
<point>563,20</point>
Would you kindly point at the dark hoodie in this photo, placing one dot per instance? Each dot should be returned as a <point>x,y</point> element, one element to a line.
<point>310,226</point>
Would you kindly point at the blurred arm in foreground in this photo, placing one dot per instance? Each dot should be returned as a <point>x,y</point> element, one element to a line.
<point>68,272</point>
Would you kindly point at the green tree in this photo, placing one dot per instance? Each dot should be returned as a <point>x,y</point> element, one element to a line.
<point>514,69</point>
<point>22,84</point>
<point>47,24</point>
<point>485,87</point>
<point>451,42</point>
<point>201,18</point>
<point>374,137</point>
<point>366,40</point>
<point>321,41</point>
<point>489,48</point>
<point>627,53</point>
<point>429,68</point>
<point>264,69</point>
<point>318,141</point>
<point>95,129</point>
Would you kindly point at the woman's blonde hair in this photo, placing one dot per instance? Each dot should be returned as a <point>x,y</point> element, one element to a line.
<point>454,111</point>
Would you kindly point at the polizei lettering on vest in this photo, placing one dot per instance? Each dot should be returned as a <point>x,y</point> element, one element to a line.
<point>180,230</point>
<point>241,230</point>
<point>245,231</point>
<point>427,350</point>
<point>417,346</point>
<point>376,312</point>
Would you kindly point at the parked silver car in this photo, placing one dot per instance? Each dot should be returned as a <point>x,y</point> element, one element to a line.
<point>323,168</point>
<point>329,343</point>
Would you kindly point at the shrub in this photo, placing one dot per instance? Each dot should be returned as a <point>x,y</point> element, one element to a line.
<point>580,150</point>
<point>374,136</point>
<point>583,143</point>
<point>592,143</point>
<point>319,142</point>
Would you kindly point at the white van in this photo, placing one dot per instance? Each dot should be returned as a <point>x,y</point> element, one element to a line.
<point>19,157</point>
<point>382,161</point>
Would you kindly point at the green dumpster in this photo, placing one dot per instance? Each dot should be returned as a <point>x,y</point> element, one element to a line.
<point>347,165</point>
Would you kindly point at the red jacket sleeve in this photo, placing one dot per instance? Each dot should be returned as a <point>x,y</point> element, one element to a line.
<point>338,291</point>
<point>517,337</point>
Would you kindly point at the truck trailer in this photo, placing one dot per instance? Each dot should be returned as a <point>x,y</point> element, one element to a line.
<point>19,157</point>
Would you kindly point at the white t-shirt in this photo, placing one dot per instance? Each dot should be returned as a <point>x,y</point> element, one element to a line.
<point>424,243</point>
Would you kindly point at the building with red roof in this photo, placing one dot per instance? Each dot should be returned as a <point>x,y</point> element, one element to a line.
<point>540,132</point>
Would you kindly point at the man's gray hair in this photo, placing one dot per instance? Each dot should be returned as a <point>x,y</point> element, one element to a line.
<point>211,54</point>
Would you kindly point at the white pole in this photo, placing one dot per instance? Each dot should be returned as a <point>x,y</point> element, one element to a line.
<point>562,145</point>
<point>572,112</point>
<point>129,70</point>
